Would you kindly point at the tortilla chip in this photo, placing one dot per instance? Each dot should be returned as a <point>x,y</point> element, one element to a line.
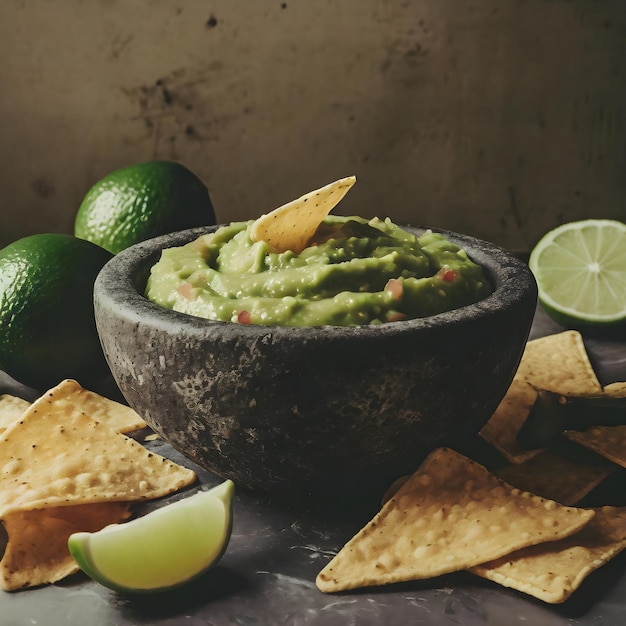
<point>556,477</point>
<point>608,441</point>
<point>56,455</point>
<point>291,226</point>
<point>37,551</point>
<point>117,416</point>
<point>393,489</point>
<point>553,571</point>
<point>11,409</point>
<point>62,471</point>
<point>503,426</point>
<point>450,515</point>
<point>615,390</point>
<point>559,363</point>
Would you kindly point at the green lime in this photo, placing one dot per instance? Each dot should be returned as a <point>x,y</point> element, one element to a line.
<point>161,550</point>
<point>580,269</point>
<point>47,325</point>
<point>142,201</point>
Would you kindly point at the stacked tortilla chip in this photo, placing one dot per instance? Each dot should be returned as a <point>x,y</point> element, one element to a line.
<point>517,525</point>
<point>65,466</point>
<point>559,364</point>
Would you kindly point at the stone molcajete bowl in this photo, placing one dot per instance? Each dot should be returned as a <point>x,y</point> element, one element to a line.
<point>314,412</point>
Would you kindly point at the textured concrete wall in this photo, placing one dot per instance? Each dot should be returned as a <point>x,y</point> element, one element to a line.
<point>499,118</point>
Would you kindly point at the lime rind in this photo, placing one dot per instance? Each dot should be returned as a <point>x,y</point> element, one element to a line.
<point>140,201</point>
<point>161,550</point>
<point>580,268</point>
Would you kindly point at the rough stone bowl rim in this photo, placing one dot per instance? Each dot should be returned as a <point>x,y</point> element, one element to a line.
<point>123,278</point>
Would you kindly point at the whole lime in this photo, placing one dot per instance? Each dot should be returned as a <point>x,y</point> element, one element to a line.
<point>142,201</point>
<point>47,325</point>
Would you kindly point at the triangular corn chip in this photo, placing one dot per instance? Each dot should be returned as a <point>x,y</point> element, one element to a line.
<point>607,441</point>
<point>503,426</point>
<point>291,226</point>
<point>62,471</point>
<point>451,514</point>
<point>57,455</point>
<point>37,551</point>
<point>556,477</point>
<point>615,390</point>
<point>553,571</point>
<point>11,409</point>
<point>116,415</point>
<point>559,363</point>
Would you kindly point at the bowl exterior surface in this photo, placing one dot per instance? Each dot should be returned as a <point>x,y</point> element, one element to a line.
<point>323,410</point>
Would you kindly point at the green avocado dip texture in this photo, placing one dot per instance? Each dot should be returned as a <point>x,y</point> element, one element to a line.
<point>353,272</point>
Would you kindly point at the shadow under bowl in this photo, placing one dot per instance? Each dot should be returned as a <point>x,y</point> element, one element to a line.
<point>315,412</point>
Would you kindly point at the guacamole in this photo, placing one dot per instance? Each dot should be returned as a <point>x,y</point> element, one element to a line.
<point>354,272</point>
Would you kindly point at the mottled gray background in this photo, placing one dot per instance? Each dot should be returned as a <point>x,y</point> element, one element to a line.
<point>497,118</point>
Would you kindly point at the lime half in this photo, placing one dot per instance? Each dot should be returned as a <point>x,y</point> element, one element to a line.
<point>161,550</point>
<point>580,269</point>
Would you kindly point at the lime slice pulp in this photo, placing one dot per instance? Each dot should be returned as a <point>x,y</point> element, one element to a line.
<point>580,269</point>
<point>161,550</point>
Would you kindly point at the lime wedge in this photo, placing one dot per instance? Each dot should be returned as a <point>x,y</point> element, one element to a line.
<point>161,550</point>
<point>580,269</point>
